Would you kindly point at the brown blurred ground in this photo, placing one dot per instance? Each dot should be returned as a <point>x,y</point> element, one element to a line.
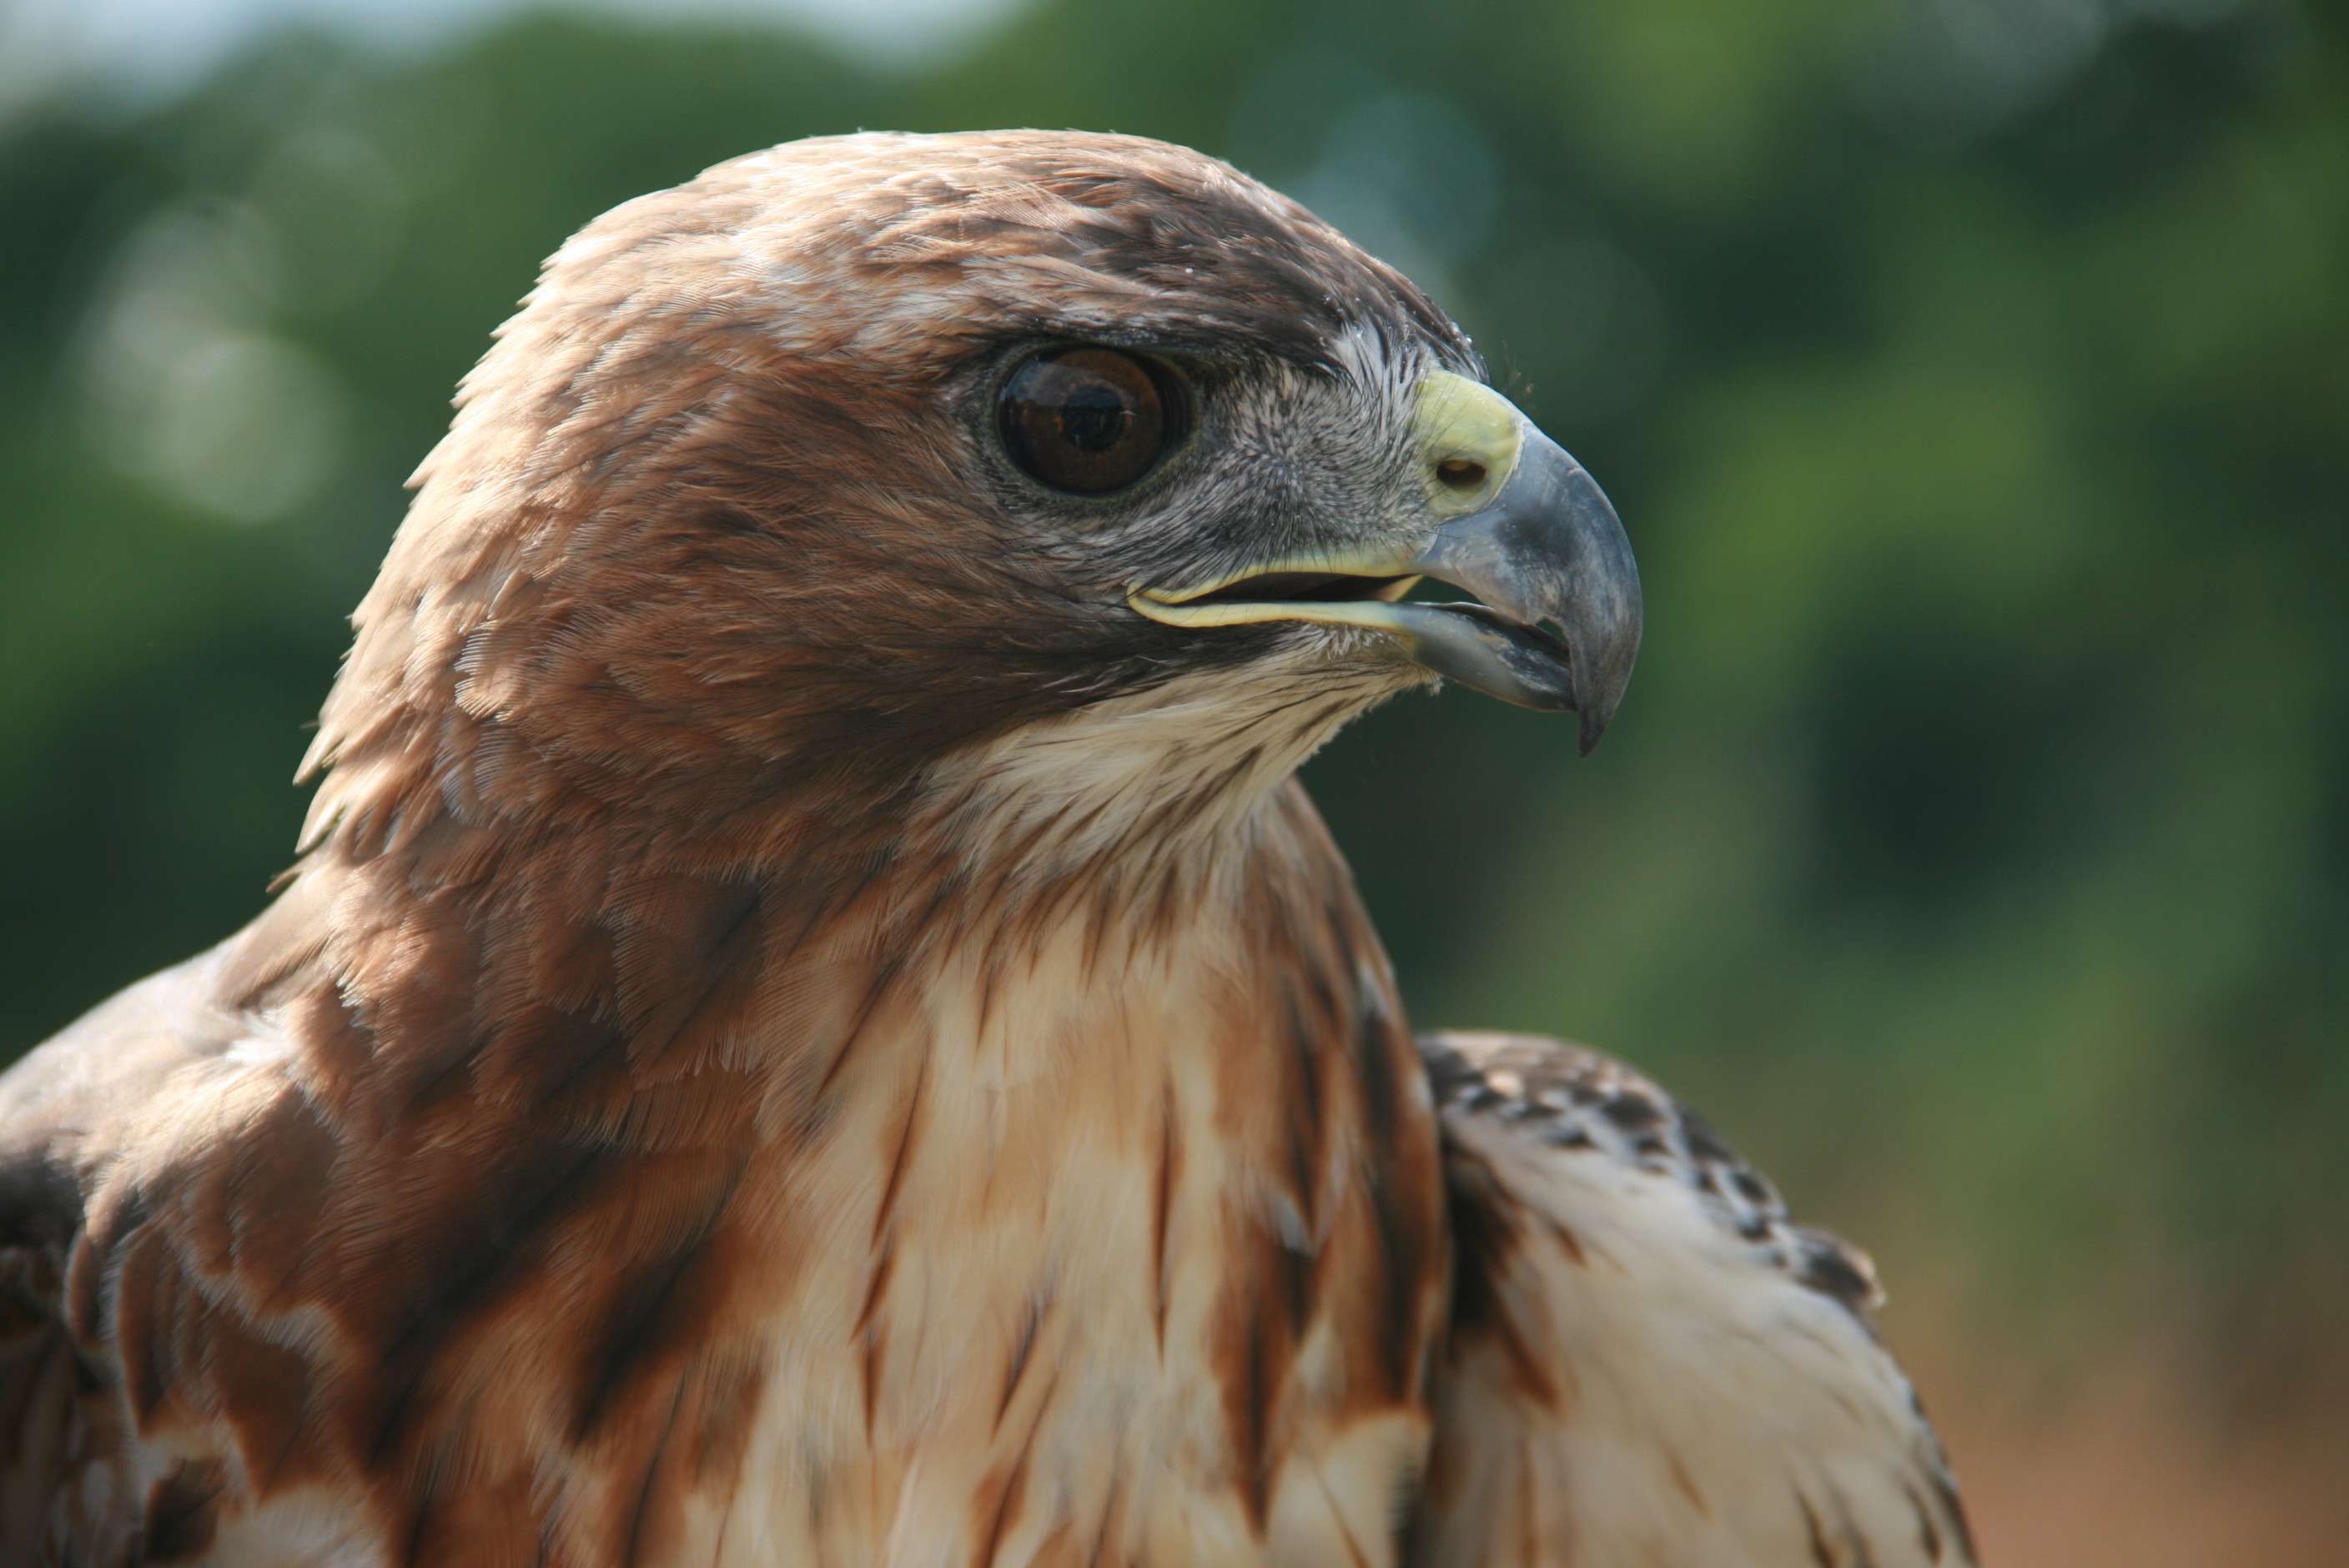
<point>2124,1466</point>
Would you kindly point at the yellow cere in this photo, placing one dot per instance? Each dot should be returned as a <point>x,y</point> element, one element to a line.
<point>1462,421</point>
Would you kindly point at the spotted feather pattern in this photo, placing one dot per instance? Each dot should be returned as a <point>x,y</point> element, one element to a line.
<point>1650,1362</point>
<point>1572,1098</point>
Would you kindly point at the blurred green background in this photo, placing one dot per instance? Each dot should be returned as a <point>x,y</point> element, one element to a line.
<point>1972,375</point>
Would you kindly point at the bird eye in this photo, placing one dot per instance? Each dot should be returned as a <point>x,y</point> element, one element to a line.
<point>1090,420</point>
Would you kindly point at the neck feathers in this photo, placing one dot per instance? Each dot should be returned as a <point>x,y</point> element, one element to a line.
<point>1119,1089</point>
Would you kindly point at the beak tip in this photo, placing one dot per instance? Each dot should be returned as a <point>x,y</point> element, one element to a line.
<point>1594,723</point>
<point>1609,665</point>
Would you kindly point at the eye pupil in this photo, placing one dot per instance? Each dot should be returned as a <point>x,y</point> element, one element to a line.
<point>1095,419</point>
<point>1088,419</point>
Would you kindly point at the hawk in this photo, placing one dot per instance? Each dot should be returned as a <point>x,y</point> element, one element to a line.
<point>814,1024</point>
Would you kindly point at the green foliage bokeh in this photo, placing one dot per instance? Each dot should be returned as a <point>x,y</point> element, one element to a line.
<point>1974,842</point>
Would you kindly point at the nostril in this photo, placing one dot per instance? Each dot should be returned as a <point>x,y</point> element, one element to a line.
<point>1459,474</point>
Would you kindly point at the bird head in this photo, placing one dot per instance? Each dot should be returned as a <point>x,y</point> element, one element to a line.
<point>853,453</point>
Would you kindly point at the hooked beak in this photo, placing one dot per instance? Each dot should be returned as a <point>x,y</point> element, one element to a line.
<point>1516,522</point>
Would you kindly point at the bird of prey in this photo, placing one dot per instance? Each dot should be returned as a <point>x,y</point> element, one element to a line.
<point>812,1023</point>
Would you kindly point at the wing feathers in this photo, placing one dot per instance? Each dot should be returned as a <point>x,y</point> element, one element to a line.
<point>1649,1364</point>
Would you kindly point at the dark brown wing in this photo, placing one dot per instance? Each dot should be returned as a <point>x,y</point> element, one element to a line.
<point>1649,1365</point>
<point>72,1487</point>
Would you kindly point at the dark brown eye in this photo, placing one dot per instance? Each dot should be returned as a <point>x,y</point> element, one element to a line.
<point>1090,420</point>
